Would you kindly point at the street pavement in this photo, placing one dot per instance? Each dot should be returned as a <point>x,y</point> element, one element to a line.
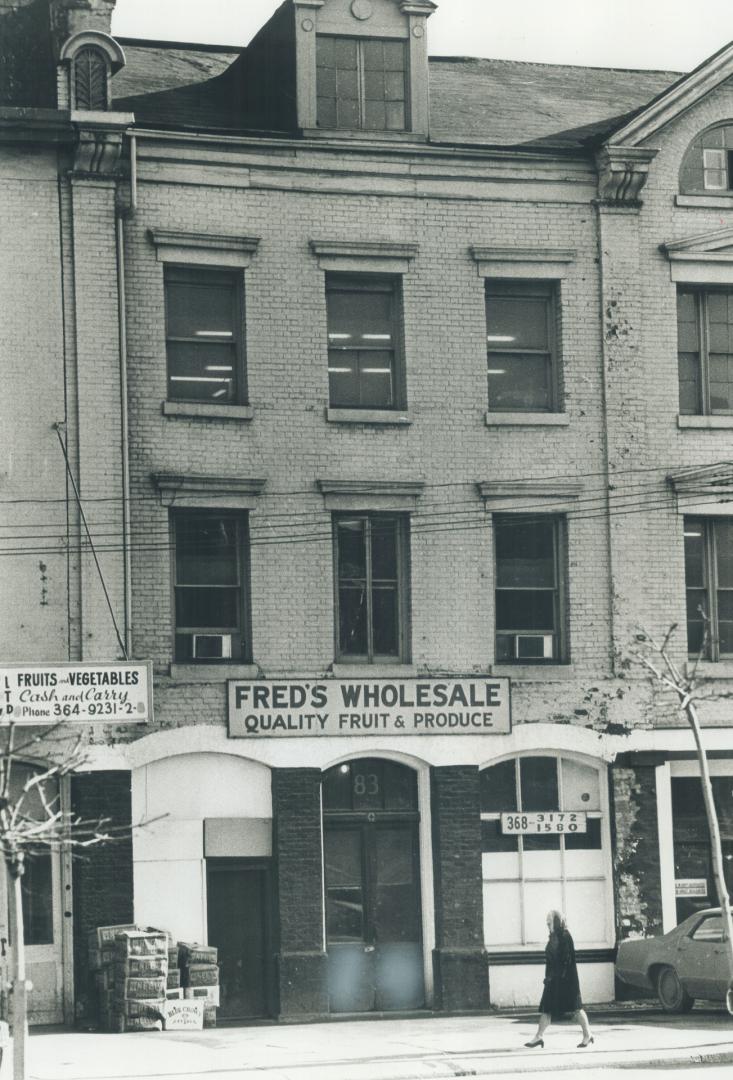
<point>424,1048</point>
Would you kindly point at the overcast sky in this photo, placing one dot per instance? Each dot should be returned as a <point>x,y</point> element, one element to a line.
<point>673,35</point>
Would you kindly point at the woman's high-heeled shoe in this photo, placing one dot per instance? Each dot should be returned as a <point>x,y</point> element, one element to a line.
<point>536,1042</point>
<point>586,1042</point>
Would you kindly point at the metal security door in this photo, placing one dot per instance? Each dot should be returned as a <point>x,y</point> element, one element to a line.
<point>372,878</point>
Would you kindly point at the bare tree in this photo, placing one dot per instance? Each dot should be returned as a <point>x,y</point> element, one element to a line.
<point>656,658</point>
<point>33,822</point>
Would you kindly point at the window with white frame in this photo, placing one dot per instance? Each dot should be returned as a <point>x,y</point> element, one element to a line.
<point>530,865</point>
<point>707,167</point>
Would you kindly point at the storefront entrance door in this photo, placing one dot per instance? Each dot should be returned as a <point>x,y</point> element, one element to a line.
<point>41,891</point>
<point>372,872</point>
<point>238,925</point>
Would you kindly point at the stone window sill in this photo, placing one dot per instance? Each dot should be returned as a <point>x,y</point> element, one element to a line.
<point>712,669</point>
<point>705,423</point>
<point>526,419</point>
<point>213,673</point>
<point>374,671</point>
<point>720,201</point>
<point>207,410</point>
<point>395,417</point>
<point>548,672</point>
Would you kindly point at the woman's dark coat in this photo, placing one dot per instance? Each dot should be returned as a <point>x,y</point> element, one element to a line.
<point>562,990</point>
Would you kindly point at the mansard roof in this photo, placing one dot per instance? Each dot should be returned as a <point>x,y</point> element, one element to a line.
<point>472,101</point>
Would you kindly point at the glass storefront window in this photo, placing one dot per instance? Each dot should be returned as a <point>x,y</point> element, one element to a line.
<point>525,875</point>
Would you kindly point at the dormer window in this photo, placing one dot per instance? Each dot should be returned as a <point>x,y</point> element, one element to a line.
<point>708,164</point>
<point>88,60</point>
<point>90,79</point>
<point>361,83</point>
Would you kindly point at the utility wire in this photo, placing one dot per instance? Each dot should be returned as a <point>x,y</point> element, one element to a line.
<point>313,490</point>
<point>91,542</point>
<point>587,514</point>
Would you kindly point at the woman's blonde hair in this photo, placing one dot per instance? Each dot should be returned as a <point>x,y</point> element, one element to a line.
<point>558,922</point>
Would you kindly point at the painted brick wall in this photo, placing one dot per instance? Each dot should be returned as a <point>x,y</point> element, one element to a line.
<point>33,584</point>
<point>459,960</point>
<point>102,876</point>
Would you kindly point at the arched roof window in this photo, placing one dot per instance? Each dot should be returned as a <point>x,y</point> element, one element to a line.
<point>90,79</point>
<point>707,167</point>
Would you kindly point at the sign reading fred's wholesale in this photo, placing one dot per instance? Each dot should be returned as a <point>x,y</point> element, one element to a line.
<point>287,707</point>
<point>75,693</point>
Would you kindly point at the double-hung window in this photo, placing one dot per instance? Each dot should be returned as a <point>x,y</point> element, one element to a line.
<point>204,335</point>
<point>707,167</point>
<point>709,586</point>
<point>705,350</point>
<point>210,576</point>
<point>528,588</point>
<point>361,83</point>
<point>371,587</point>
<point>363,341</point>
<point>521,346</point>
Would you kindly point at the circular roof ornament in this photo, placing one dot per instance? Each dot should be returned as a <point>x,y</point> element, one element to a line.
<point>361,9</point>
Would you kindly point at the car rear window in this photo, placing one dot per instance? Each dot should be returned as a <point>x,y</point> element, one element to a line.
<point>710,929</point>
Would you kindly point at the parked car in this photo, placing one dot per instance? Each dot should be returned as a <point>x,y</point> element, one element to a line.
<point>689,962</point>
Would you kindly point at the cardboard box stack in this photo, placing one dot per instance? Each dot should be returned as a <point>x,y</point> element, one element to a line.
<point>200,977</point>
<point>141,975</point>
<point>173,985</point>
<point>130,966</point>
<point>101,963</point>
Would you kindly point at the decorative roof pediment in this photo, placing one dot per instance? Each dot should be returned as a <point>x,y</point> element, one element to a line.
<point>676,99</point>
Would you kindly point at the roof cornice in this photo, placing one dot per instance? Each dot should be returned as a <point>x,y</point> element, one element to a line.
<point>681,96</point>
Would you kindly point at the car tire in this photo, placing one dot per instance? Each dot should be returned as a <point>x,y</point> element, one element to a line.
<point>671,993</point>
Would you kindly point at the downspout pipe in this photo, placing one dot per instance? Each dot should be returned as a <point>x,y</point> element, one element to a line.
<point>124,411</point>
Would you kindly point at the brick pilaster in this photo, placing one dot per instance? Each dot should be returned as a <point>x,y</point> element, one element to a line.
<point>301,968</point>
<point>459,959</point>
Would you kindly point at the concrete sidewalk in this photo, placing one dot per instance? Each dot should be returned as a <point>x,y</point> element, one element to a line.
<point>414,1049</point>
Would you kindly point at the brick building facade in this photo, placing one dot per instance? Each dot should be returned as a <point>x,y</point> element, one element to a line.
<point>370,373</point>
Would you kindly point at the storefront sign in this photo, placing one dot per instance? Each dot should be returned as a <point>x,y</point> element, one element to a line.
<point>548,821</point>
<point>75,693</point>
<point>290,707</point>
<point>691,887</point>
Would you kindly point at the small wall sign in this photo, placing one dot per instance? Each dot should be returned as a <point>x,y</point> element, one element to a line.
<point>84,693</point>
<point>691,887</point>
<point>545,822</point>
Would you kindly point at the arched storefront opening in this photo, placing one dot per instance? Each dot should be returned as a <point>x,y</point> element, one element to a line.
<point>372,883</point>
<point>545,844</point>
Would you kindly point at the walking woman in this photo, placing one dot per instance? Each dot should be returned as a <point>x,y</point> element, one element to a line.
<point>562,989</point>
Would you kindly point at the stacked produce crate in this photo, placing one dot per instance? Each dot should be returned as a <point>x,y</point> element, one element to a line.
<point>173,985</point>
<point>140,980</point>
<point>200,977</point>
<point>102,956</point>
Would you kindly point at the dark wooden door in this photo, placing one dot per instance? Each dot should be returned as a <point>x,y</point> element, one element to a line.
<point>238,895</point>
<point>373,917</point>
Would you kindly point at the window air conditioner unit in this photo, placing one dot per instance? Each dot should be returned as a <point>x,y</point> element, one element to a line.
<point>534,646</point>
<point>212,646</point>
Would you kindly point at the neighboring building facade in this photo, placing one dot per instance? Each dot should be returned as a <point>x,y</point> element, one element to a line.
<point>374,378</point>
